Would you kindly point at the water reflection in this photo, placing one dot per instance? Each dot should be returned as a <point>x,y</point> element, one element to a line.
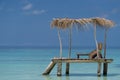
<point>102,78</point>
<point>48,77</point>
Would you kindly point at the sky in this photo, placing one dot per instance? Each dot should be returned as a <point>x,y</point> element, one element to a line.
<point>26,23</point>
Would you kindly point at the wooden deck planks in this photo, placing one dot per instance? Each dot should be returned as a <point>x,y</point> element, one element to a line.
<point>59,61</point>
<point>82,60</point>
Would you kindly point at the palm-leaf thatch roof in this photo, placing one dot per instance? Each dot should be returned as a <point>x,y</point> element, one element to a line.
<point>82,22</point>
<point>67,22</point>
<point>63,23</point>
<point>102,22</point>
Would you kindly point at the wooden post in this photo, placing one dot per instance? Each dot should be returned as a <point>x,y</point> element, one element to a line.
<point>95,37</point>
<point>60,43</point>
<point>99,69</point>
<point>59,69</point>
<point>105,37</point>
<point>77,56</point>
<point>69,54</point>
<point>67,68</point>
<point>105,67</point>
<point>49,68</point>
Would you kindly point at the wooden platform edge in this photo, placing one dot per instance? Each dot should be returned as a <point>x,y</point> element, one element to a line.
<point>59,61</point>
<point>72,60</point>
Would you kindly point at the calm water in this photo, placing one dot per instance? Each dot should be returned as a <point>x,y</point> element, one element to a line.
<point>29,64</point>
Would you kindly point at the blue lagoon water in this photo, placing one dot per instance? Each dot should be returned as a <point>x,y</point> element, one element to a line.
<point>29,64</point>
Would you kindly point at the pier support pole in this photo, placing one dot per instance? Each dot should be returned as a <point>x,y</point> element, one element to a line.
<point>70,47</point>
<point>105,67</point>
<point>49,68</point>
<point>67,68</point>
<point>99,69</point>
<point>59,69</point>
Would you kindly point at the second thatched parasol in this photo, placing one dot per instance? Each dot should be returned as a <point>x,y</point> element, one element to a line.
<point>105,24</point>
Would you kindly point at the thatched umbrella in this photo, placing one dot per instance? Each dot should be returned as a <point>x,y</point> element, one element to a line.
<point>105,24</point>
<point>97,22</point>
<point>63,23</point>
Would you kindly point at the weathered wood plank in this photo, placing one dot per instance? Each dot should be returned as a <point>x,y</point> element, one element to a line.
<point>56,60</point>
<point>67,68</point>
<point>59,61</point>
<point>99,69</point>
<point>49,68</point>
<point>105,68</point>
<point>59,69</point>
<point>79,54</point>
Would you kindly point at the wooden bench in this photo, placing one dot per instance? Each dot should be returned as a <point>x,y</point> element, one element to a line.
<point>81,54</point>
<point>92,54</point>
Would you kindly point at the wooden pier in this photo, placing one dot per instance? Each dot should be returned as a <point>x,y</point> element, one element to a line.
<point>94,56</point>
<point>59,61</point>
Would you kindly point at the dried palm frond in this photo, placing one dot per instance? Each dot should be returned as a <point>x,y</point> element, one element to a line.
<point>54,23</point>
<point>64,23</point>
<point>82,23</point>
<point>102,22</point>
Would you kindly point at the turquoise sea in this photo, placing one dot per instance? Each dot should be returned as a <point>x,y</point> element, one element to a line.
<point>29,64</point>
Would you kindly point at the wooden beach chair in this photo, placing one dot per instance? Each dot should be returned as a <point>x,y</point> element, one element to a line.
<point>92,54</point>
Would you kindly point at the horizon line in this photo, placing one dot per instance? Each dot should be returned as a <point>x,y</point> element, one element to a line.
<point>50,47</point>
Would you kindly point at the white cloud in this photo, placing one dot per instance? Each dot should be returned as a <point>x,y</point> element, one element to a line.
<point>38,12</point>
<point>35,12</point>
<point>30,9</point>
<point>27,7</point>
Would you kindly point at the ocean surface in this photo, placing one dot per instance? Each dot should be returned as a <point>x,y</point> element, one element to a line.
<point>29,64</point>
